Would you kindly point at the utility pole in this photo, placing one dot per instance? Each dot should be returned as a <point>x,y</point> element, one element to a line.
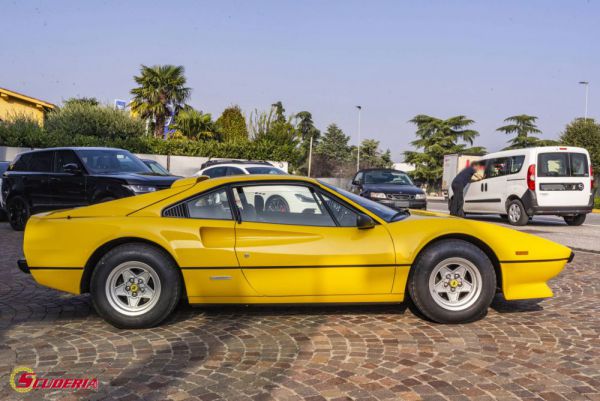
<point>358,149</point>
<point>587,86</point>
<point>310,155</point>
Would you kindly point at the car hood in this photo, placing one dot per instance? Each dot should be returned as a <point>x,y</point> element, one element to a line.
<point>393,189</point>
<point>143,179</point>
<point>413,233</point>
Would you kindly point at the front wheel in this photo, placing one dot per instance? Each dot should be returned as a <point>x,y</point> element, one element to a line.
<point>18,212</point>
<point>452,281</point>
<point>576,220</point>
<point>135,286</point>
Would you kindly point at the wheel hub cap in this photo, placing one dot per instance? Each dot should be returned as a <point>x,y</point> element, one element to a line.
<point>133,288</point>
<point>455,284</point>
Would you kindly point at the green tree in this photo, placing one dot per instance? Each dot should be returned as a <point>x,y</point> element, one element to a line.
<point>332,155</point>
<point>160,93</point>
<point>306,127</point>
<point>232,124</point>
<point>371,156</point>
<point>91,101</point>
<point>194,124</point>
<point>584,133</point>
<point>437,138</point>
<point>279,111</point>
<point>525,128</point>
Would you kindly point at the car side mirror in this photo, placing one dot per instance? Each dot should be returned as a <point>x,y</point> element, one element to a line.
<point>356,182</point>
<point>364,222</point>
<point>71,168</point>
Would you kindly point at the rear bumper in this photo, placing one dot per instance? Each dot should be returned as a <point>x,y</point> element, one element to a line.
<point>22,263</point>
<point>530,202</point>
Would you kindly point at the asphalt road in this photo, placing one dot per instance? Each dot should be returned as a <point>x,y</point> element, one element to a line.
<point>584,237</point>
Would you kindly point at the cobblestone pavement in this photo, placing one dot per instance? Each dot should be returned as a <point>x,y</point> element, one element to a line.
<point>522,350</point>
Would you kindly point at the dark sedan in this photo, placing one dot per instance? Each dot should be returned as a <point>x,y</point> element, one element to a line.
<point>393,188</point>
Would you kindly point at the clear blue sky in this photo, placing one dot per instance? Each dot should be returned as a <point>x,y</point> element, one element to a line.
<point>487,60</point>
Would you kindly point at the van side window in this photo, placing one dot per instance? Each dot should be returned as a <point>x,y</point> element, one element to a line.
<point>516,163</point>
<point>497,167</point>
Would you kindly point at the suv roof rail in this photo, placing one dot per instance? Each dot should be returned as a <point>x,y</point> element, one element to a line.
<point>233,161</point>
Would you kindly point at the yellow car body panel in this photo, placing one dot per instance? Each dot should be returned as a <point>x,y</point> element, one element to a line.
<point>223,261</point>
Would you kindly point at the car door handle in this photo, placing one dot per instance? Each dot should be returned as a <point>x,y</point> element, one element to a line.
<point>482,187</point>
<point>486,187</point>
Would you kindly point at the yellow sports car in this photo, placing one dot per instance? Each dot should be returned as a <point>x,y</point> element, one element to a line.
<point>279,239</point>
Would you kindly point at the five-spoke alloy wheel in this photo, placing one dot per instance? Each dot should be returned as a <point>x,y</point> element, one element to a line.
<point>135,286</point>
<point>452,281</point>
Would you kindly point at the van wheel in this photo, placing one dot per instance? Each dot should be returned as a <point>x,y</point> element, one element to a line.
<point>135,286</point>
<point>18,212</point>
<point>516,213</point>
<point>576,220</point>
<point>452,281</point>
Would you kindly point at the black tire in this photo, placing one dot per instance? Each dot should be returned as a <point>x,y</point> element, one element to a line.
<point>476,305</point>
<point>18,211</point>
<point>277,203</point>
<point>519,216</point>
<point>504,216</point>
<point>576,220</point>
<point>163,267</point>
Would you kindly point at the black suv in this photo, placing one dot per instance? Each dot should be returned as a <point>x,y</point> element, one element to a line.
<point>62,178</point>
<point>393,188</point>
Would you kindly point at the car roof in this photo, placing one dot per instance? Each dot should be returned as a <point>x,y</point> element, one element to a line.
<point>240,165</point>
<point>71,148</point>
<point>533,150</point>
<point>380,169</point>
<point>259,177</point>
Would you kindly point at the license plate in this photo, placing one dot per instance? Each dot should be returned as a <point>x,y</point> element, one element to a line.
<point>401,204</point>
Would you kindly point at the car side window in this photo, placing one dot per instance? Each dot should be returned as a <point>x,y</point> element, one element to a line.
<point>345,216</point>
<point>41,162</point>
<point>22,163</point>
<point>281,204</point>
<point>215,172</point>
<point>234,171</point>
<point>213,205</point>
<point>358,178</point>
<point>516,163</point>
<point>64,157</point>
<point>497,167</point>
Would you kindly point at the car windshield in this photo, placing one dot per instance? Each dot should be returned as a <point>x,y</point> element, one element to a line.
<point>156,167</point>
<point>388,214</point>
<point>265,170</point>
<point>387,177</point>
<point>108,161</point>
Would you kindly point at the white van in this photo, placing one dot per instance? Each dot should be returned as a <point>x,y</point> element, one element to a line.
<point>520,183</point>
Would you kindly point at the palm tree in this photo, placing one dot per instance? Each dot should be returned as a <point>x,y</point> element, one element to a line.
<point>524,126</point>
<point>161,92</point>
<point>194,124</point>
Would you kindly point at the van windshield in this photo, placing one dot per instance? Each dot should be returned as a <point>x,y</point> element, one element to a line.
<point>563,164</point>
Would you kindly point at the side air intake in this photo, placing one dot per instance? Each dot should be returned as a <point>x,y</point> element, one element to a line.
<point>179,210</point>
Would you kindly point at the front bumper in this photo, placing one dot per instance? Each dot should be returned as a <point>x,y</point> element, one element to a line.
<point>408,204</point>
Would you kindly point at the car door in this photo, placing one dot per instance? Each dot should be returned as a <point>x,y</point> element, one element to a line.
<point>474,194</point>
<point>202,230</point>
<point>494,188</point>
<point>69,185</point>
<point>308,253</point>
<point>36,181</point>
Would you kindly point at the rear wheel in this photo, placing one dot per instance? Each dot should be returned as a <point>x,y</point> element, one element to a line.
<point>516,213</point>
<point>135,286</point>
<point>453,281</point>
<point>576,220</point>
<point>18,212</point>
<point>277,203</point>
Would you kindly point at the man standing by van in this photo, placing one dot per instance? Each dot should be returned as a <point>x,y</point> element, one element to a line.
<point>471,173</point>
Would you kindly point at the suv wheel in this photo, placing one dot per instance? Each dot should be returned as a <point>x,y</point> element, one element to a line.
<point>135,286</point>
<point>517,216</point>
<point>18,212</point>
<point>576,220</point>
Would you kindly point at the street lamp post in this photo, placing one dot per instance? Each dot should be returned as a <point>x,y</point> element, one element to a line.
<point>358,149</point>
<point>587,86</point>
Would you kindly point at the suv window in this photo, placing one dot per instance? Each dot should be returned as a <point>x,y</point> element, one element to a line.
<point>281,204</point>
<point>516,163</point>
<point>234,171</point>
<point>64,157</point>
<point>41,162</point>
<point>22,163</point>
<point>213,205</point>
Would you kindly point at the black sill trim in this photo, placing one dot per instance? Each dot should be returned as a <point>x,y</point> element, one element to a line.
<point>290,267</point>
<point>534,261</point>
<point>55,268</point>
<point>493,200</point>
